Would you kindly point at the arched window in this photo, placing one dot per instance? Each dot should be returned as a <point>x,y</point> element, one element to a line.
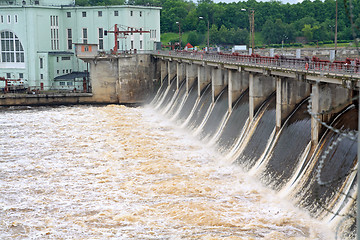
<point>11,49</point>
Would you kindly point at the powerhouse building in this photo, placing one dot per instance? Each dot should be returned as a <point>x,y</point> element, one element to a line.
<point>37,38</point>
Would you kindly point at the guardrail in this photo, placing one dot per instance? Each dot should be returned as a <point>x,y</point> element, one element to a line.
<point>293,64</point>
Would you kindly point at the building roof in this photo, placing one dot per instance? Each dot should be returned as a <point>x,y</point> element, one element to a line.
<point>71,76</point>
<point>60,53</point>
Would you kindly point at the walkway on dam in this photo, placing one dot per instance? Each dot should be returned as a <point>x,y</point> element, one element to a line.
<point>315,69</point>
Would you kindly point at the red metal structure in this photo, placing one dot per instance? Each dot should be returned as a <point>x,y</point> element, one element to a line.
<point>122,34</point>
<point>12,84</point>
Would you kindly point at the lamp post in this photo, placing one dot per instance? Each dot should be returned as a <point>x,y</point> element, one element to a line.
<point>178,23</point>
<point>208,32</point>
<point>284,39</point>
<point>252,27</point>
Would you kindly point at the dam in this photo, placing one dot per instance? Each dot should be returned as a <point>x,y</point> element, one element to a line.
<point>294,131</point>
<point>291,129</point>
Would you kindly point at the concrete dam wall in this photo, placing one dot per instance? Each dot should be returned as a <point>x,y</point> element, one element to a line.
<point>263,123</point>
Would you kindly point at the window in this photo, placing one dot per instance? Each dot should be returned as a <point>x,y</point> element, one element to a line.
<point>41,76</point>
<point>11,48</point>
<point>69,38</point>
<point>132,44</point>
<point>2,19</point>
<point>131,13</point>
<point>99,13</point>
<point>101,38</point>
<point>131,31</point>
<point>65,58</point>
<point>57,59</point>
<point>8,19</point>
<point>63,70</point>
<point>84,35</point>
<point>54,28</point>
<point>67,71</point>
<point>62,83</point>
<point>116,13</point>
<point>41,63</point>
<point>141,45</point>
<point>140,31</point>
<point>140,13</point>
<point>21,75</point>
<point>84,14</point>
<point>68,14</point>
<point>16,18</point>
<point>58,71</point>
<point>8,75</point>
<point>69,83</point>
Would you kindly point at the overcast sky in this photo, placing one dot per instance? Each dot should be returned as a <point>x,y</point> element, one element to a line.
<point>283,1</point>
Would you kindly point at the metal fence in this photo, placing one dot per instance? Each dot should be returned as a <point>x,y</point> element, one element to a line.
<point>293,64</point>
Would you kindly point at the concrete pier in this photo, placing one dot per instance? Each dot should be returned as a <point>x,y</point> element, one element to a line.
<point>218,82</point>
<point>238,83</point>
<point>289,93</point>
<point>172,70</point>
<point>181,74</point>
<point>191,75</point>
<point>327,100</point>
<point>260,88</point>
<point>204,77</point>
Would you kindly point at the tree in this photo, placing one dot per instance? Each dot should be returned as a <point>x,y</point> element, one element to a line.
<point>82,2</point>
<point>214,34</point>
<point>309,31</point>
<point>241,37</point>
<point>194,38</point>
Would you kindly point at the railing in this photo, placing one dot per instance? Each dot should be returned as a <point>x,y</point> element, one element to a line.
<point>293,64</point>
<point>38,90</point>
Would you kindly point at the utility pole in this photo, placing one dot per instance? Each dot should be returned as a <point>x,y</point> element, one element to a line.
<point>208,33</point>
<point>178,23</point>
<point>358,185</point>
<point>251,28</point>
<point>252,16</point>
<point>336,27</point>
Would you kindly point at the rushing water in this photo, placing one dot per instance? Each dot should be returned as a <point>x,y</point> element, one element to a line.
<point>113,172</point>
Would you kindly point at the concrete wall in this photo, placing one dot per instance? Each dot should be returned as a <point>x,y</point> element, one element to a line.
<point>44,99</point>
<point>104,74</point>
<point>137,78</point>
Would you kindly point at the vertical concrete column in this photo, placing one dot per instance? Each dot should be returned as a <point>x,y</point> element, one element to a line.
<point>289,92</point>
<point>181,73</point>
<point>191,75</point>
<point>171,70</point>
<point>218,81</point>
<point>164,70</point>
<point>330,98</point>
<point>238,83</point>
<point>260,87</point>
<point>204,77</point>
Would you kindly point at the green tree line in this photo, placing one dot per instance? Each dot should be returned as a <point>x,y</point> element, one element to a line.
<point>275,21</point>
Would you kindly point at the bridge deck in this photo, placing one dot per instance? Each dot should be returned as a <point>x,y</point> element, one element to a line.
<point>330,72</point>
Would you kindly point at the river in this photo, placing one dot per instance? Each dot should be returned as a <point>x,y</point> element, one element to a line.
<point>115,172</point>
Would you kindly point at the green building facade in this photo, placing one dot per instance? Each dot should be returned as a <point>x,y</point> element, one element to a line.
<point>37,37</point>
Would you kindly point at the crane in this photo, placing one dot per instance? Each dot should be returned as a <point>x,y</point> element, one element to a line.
<point>122,34</point>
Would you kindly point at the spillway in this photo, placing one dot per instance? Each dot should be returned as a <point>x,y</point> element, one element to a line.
<point>321,179</point>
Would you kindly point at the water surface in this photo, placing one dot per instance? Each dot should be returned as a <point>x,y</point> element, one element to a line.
<point>113,172</point>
